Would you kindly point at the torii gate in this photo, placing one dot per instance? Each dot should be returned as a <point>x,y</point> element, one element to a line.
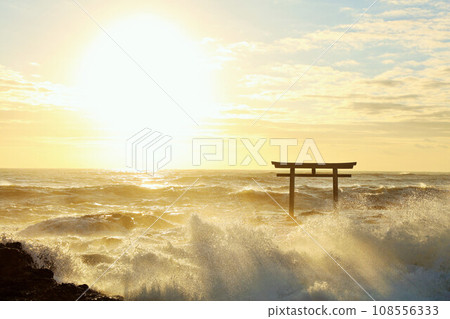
<point>313,166</point>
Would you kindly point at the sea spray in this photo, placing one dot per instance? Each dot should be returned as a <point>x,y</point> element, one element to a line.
<point>225,239</point>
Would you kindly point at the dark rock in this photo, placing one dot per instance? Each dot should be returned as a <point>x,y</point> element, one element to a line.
<point>21,280</point>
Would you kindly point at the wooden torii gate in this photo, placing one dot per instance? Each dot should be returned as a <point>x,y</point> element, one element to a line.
<point>313,166</point>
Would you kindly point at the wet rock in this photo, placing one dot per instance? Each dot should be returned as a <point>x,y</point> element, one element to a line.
<point>21,280</point>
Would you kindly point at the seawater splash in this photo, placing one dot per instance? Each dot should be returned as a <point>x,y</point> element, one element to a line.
<point>227,240</point>
<point>238,263</point>
<point>226,263</point>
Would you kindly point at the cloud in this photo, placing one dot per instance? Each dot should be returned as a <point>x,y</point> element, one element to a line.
<point>406,2</point>
<point>34,112</point>
<point>380,107</point>
<point>413,28</point>
<point>16,91</point>
<point>407,12</point>
<point>348,62</point>
<point>387,82</point>
<point>436,84</point>
<point>328,94</point>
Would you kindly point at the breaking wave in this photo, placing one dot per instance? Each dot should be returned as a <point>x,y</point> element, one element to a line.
<point>227,261</point>
<point>226,239</point>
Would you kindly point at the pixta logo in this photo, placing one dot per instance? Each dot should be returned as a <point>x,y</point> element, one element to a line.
<point>213,149</point>
<point>148,151</point>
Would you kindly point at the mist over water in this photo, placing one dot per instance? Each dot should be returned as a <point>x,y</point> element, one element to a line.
<point>226,239</point>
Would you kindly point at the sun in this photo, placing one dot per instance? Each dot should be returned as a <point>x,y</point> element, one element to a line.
<point>132,73</point>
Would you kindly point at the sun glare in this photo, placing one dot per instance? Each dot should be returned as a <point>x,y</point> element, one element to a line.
<point>115,77</point>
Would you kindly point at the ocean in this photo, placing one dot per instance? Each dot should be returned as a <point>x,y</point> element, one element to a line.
<point>224,238</point>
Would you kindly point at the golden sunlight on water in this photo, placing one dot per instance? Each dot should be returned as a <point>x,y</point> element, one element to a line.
<point>225,239</point>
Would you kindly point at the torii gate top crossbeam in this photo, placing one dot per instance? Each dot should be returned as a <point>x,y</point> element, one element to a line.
<point>313,165</point>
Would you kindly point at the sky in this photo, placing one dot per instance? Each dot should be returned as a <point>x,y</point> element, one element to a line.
<point>77,78</point>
